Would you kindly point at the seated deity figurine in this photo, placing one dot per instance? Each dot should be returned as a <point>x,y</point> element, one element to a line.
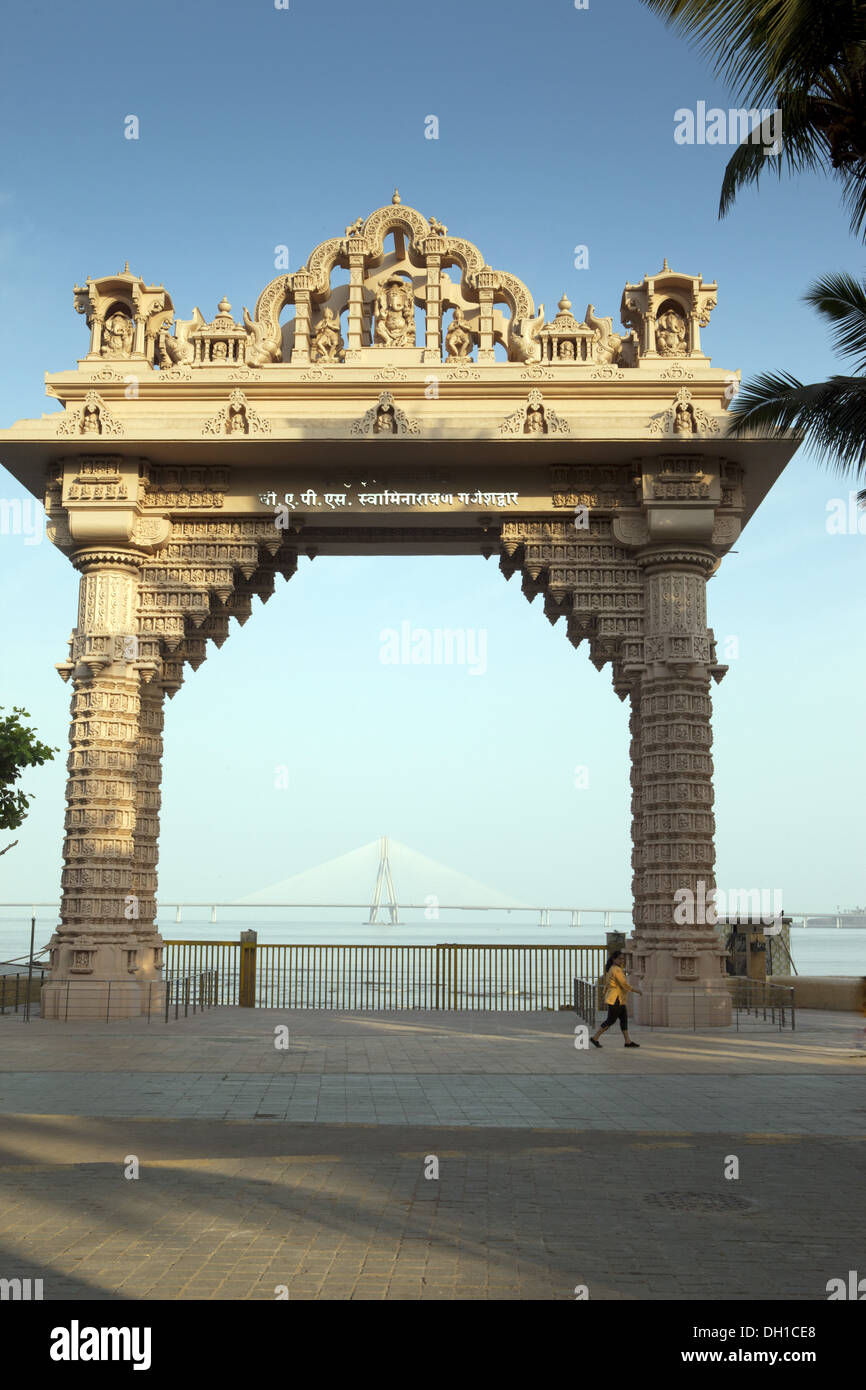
<point>117,336</point>
<point>671,334</point>
<point>219,352</point>
<point>566,351</point>
<point>458,339</point>
<point>237,420</point>
<point>386,420</point>
<point>395,315</point>
<point>327,341</point>
<point>534,423</point>
<point>684,420</point>
<point>90,423</point>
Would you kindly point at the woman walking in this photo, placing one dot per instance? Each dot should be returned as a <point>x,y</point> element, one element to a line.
<point>616,987</point>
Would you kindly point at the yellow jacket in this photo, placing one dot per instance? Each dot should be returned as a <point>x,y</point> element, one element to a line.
<point>616,986</point>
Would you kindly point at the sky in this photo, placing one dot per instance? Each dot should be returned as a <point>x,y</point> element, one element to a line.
<point>261,127</point>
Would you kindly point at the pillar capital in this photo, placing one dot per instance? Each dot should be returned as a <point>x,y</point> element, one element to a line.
<point>92,558</point>
<point>686,557</point>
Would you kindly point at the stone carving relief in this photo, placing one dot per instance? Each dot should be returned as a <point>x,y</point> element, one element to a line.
<point>671,332</point>
<point>609,348</point>
<point>666,312</point>
<point>124,315</point>
<point>237,418</point>
<point>535,418</point>
<point>385,418</point>
<point>327,343</point>
<point>93,418</point>
<point>395,313</point>
<point>459,340</point>
<point>118,335</point>
<point>166,488</point>
<point>684,419</point>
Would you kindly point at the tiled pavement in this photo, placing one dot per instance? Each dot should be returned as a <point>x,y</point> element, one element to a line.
<point>557,1167</point>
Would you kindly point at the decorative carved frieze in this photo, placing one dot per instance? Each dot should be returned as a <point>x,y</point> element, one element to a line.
<point>238,417</point>
<point>685,420</point>
<point>385,418</point>
<point>92,418</point>
<point>534,418</point>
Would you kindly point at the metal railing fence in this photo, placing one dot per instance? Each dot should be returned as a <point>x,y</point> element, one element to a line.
<point>447,975</point>
<point>750,1000</point>
<point>16,990</point>
<point>165,999</point>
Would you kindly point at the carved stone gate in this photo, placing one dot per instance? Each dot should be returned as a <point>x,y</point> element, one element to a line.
<point>394,396</point>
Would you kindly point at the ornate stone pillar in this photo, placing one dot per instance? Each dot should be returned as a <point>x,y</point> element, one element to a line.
<point>106,956</point>
<point>433,311</point>
<point>694,334</point>
<point>146,834</point>
<point>675,951</point>
<point>486,343</point>
<point>636,812</point>
<point>355,317</point>
<point>303,309</point>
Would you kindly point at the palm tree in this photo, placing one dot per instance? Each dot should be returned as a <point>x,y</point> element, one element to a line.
<point>831,414</point>
<point>804,58</point>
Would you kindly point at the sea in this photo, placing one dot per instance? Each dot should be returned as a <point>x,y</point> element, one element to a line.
<point>815,950</point>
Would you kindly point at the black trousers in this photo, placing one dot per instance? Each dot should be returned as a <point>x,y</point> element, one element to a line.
<point>614,1012</point>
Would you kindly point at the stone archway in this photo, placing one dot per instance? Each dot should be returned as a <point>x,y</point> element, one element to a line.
<point>180,501</point>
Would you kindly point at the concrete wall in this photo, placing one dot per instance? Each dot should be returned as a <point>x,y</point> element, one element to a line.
<point>844,992</point>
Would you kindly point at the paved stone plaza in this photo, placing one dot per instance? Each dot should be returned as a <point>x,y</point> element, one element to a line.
<point>305,1167</point>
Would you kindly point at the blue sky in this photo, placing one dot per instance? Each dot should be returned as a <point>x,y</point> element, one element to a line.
<point>261,127</point>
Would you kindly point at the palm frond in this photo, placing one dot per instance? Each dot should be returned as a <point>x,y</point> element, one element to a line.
<point>830,415</point>
<point>760,45</point>
<point>802,147</point>
<point>842,299</point>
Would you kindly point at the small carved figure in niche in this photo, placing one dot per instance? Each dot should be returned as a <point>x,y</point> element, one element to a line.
<point>90,421</point>
<point>386,420</point>
<point>327,340</point>
<point>458,339</point>
<point>219,352</point>
<point>566,350</point>
<point>684,420</point>
<point>535,422</point>
<point>117,335</point>
<point>395,315</point>
<point>671,334</point>
<point>237,421</point>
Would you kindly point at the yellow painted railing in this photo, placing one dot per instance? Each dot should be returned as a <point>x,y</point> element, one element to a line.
<point>444,976</point>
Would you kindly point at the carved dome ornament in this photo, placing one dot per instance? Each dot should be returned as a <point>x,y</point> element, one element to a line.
<point>389,286</point>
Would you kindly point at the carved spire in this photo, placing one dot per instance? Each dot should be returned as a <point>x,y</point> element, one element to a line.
<point>396,198</point>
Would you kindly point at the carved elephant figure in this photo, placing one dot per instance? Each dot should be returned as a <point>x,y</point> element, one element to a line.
<point>608,345</point>
<point>523,345</point>
<point>265,347</point>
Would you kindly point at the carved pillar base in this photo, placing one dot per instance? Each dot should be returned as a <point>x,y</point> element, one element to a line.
<point>102,975</point>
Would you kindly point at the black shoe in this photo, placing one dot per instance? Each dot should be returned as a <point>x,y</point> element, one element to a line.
<point>632,1044</point>
<point>594,1043</point>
